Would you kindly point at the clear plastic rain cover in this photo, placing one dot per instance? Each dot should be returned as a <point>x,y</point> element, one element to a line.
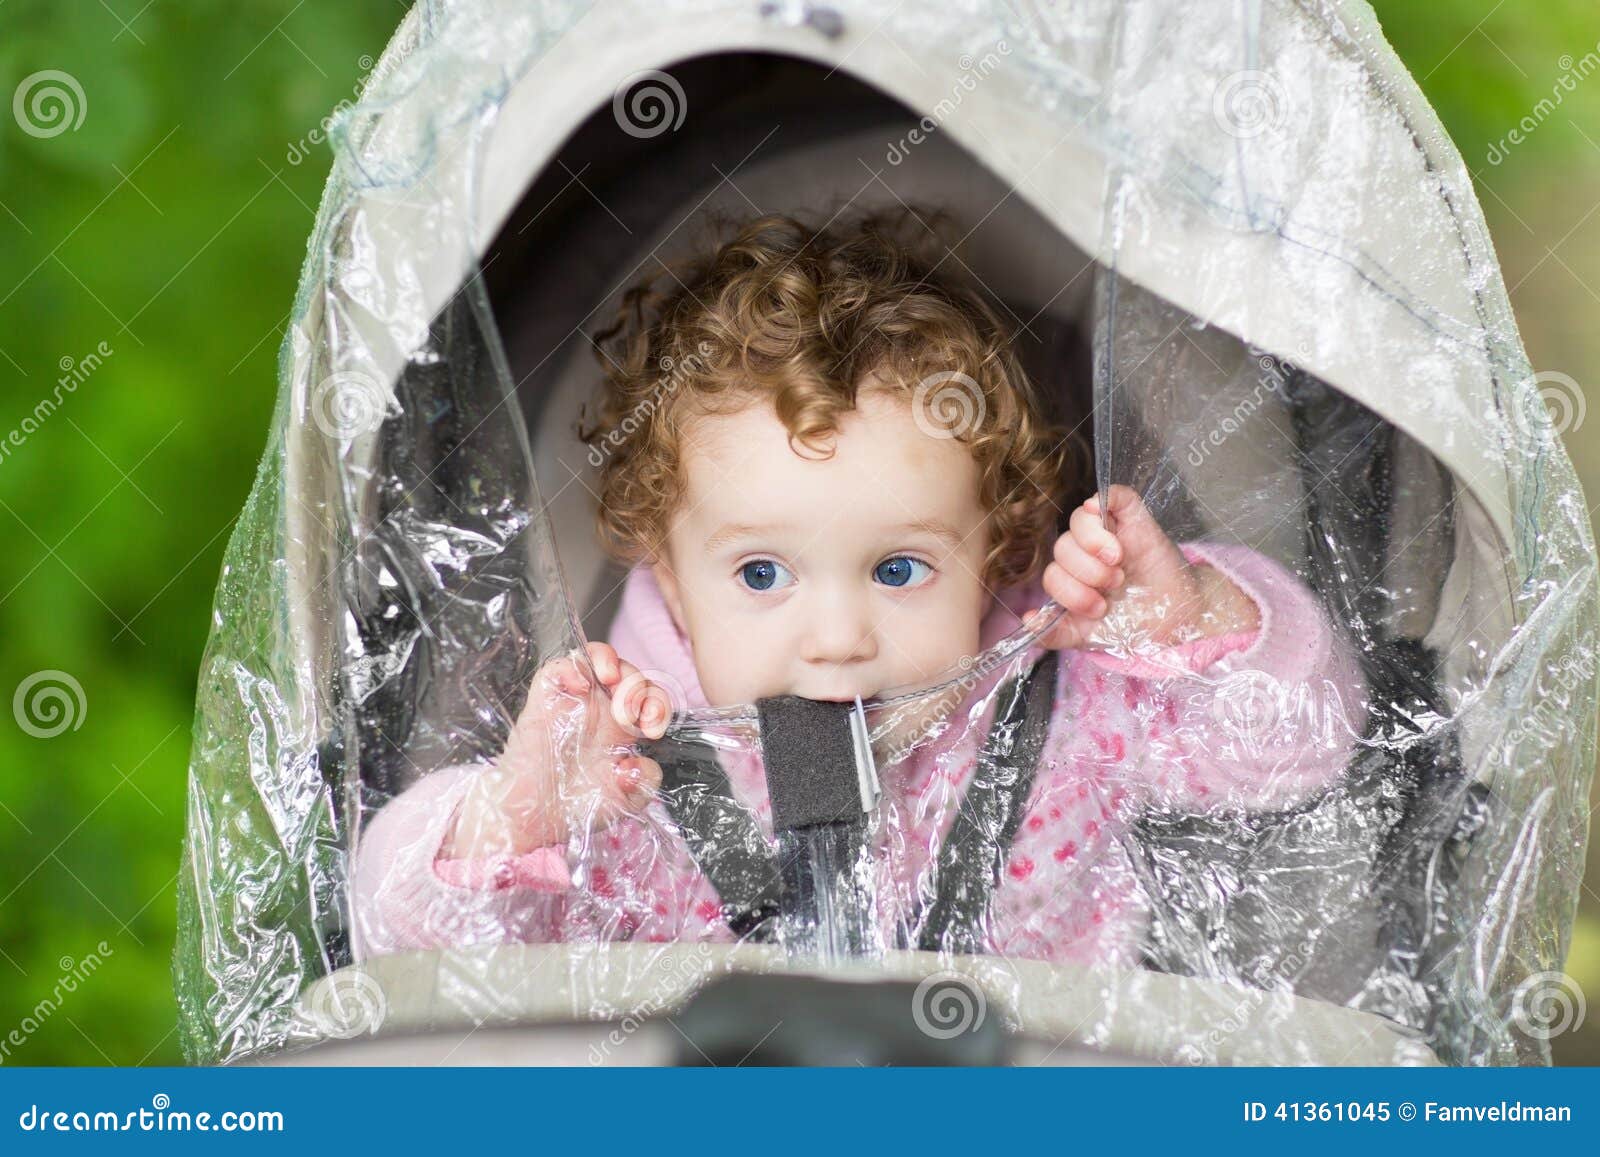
<point>1231,241</point>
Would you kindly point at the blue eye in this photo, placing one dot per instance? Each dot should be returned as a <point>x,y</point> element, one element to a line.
<point>765,575</point>
<point>901,572</point>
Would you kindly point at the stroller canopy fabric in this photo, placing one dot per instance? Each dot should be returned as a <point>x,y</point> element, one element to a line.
<point>1234,234</point>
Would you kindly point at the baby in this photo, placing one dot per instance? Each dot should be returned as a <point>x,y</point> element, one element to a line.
<point>803,519</point>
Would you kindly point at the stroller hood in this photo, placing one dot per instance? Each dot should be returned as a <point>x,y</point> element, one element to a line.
<point>1234,242</point>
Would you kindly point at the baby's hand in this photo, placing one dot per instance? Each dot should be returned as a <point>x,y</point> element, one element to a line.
<point>1132,587</point>
<point>525,802</point>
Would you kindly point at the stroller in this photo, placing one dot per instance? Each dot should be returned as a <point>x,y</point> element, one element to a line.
<point>1237,236</point>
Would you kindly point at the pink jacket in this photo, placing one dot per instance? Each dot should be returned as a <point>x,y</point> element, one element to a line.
<point>1260,720</point>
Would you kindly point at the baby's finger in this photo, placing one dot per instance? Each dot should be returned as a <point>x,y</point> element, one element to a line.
<point>626,699</point>
<point>641,707</point>
<point>607,665</point>
<point>1077,562</point>
<point>638,779</point>
<point>630,682</point>
<point>1123,501</point>
<point>564,674</point>
<point>1073,594</point>
<point>655,714</point>
<point>1091,534</point>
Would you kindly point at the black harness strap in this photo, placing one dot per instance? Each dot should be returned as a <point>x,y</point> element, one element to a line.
<point>722,836</point>
<point>975,851</point>
<point>821,816</point>
<point>735,857</point>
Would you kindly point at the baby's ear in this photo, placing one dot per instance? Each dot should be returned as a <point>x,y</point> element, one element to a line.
<point>670,594</point>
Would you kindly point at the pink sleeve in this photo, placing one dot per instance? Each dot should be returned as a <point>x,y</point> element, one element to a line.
<point>404,896</point>
<point>1258,720</point>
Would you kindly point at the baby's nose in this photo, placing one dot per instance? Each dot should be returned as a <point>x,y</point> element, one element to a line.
<point>840,635</point>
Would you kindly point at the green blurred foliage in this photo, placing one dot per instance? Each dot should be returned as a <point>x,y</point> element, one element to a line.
<point>170,226</point>
<point>1484,65</point>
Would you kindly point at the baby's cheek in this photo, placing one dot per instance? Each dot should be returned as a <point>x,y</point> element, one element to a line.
<point>935,639</point>
<point>738,663</point>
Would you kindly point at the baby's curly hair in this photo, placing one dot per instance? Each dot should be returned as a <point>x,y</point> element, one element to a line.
<point>801,317</point>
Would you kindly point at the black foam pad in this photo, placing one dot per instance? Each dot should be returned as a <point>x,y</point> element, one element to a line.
<point>810,761</point>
